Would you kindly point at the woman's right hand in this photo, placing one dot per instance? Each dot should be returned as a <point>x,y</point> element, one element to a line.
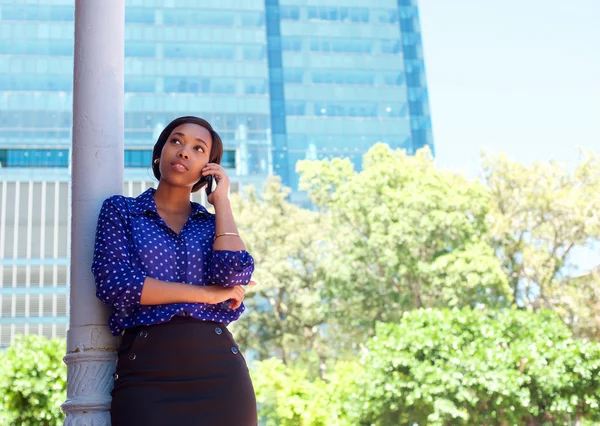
<point>217,294</point>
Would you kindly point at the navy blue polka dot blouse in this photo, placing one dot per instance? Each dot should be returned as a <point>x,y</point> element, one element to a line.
<point>133,242</point>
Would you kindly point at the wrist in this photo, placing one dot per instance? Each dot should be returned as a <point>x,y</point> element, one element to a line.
<point>204,295</point>
<point>210,294</point>
<point>222,202</point>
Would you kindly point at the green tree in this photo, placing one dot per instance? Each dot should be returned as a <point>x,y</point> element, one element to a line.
<point>540,214</point>
<point>286,314</point>
<point>33,379</point>
<point>577,300</point>
<point>466,367</point>
<point>286,395</point>
<point>406,236</point>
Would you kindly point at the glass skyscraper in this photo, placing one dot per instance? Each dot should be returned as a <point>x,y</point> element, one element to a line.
<point>280,81</point>
<point>344,75</point>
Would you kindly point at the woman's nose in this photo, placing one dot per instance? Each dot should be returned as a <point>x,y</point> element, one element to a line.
<point>183,154</point>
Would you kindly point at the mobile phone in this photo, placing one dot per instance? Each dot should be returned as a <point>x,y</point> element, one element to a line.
<point>209,184</point>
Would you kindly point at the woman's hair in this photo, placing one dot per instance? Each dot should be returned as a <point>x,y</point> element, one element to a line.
<point>216,151</point>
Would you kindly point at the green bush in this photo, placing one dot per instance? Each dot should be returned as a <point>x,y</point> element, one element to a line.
<point>285,396</point>
<point>446,367</point>
<point>466,367</point>
<point>33,379</point>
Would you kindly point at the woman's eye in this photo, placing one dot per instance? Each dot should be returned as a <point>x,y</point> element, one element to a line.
<point>199,149</point>
<point>175,141</point>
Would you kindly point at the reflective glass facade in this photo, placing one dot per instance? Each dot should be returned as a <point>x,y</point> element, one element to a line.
<point>353,75</point>
<point>281,80</point>
<point>182,58</point>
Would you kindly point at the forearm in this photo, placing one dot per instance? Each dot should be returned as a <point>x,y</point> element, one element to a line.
<point>157,292</point>
<point>226,223</point>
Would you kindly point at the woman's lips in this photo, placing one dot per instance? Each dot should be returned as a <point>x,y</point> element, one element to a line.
<point>178,167</point>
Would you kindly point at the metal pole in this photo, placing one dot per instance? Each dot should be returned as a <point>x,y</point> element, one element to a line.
<point>97,172</point>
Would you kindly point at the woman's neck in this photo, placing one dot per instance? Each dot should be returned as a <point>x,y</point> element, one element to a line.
<point>172,199</point>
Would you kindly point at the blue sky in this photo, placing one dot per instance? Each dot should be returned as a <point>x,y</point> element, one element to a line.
<point>519,76</point>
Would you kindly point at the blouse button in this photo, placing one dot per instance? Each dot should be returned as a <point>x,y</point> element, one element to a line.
<point>234,350</point>
<point>143,334</point>
<point>132,356</point>
<point>218,330</point>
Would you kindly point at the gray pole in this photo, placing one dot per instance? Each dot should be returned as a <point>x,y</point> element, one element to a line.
<point>97,172</point>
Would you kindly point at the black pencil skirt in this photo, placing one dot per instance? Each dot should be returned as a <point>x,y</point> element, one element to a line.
<point>182,372</point>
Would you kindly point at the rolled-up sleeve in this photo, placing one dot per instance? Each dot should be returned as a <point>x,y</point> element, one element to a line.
<point>118,284</point>
<point>230,268</point>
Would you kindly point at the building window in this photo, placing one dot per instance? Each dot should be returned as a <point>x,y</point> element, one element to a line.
<point>138,158</point>
<point>139,15</point>
<point>140,49</point>
<point>253,19</point>
<point>198,17</point>
<point>229,159</point>
<point>38,13</point>
<point>290,12</point>
<point>34,158</point>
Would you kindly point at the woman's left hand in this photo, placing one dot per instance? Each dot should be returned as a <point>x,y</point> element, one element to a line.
<point>222,180</point>
<point>235,304</point>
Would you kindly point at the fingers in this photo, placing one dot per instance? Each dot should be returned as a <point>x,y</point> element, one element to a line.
<point>235,303</point>
<point>239,293</point>
<point>237,297</point>
<point>221,178</point>
<point>214,169</point>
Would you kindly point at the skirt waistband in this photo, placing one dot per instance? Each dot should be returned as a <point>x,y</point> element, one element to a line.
<point>174,320</point>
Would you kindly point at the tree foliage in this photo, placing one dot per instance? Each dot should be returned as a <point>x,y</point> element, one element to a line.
<point>444,367</point>
<point>577,300</point>
<point>33,379</point>
<point>287,396</point>
<point>406,236</point>
<point>286,313</point>
<point>464,367</point>
<point>540,214</point>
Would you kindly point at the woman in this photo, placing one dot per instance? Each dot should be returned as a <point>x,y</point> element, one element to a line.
<point>174,276</point>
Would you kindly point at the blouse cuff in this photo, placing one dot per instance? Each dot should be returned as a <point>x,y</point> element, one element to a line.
<point>231,268</point>
<point>138,280</point>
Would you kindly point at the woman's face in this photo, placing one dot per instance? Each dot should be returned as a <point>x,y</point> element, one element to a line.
<point>185,154</point>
